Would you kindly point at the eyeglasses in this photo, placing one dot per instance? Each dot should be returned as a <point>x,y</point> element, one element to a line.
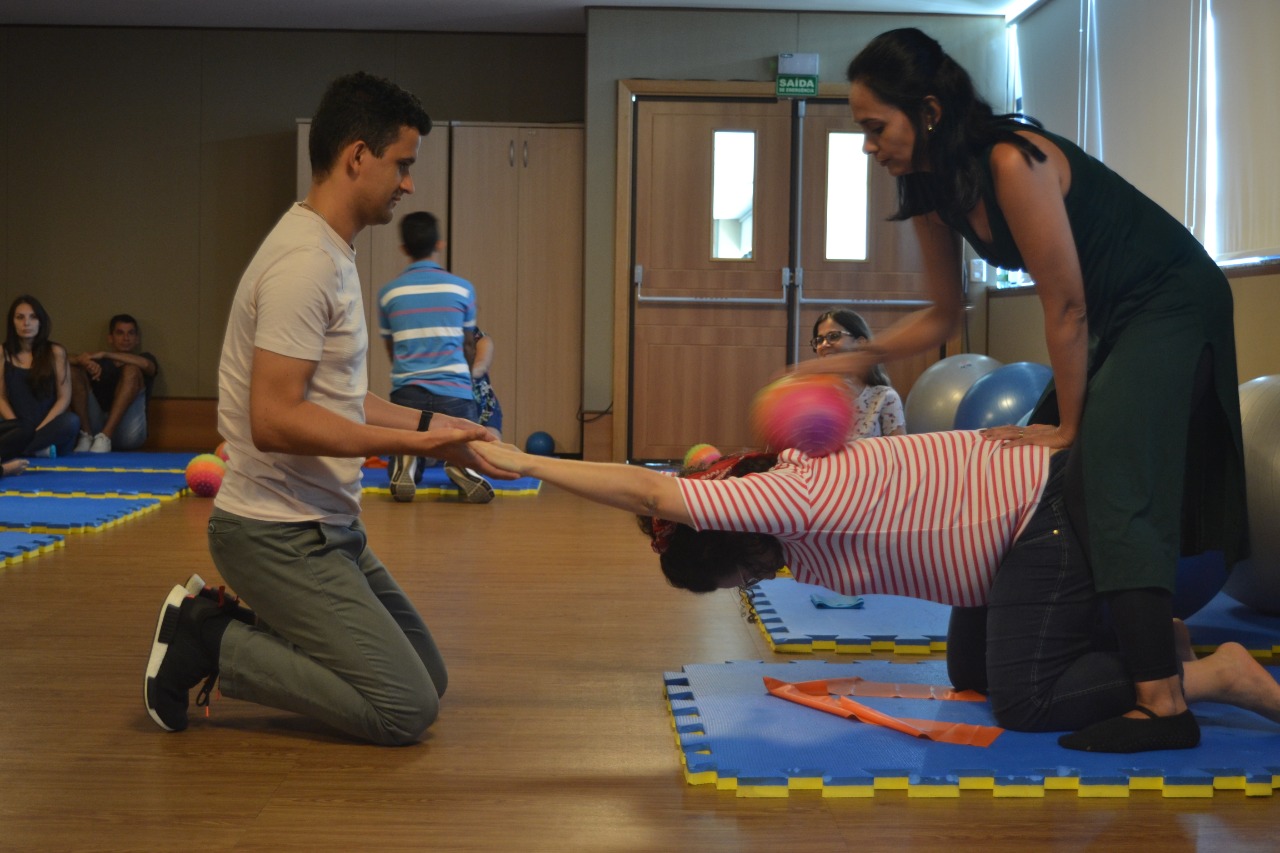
<point>832,338</point>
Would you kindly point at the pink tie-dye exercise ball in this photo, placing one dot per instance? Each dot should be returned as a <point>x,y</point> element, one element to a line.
<point>812,413</point>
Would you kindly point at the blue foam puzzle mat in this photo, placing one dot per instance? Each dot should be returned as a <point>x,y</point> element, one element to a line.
<point>733,734</point>
<point>435,483</point>
<point>1224,618</point>
<point>105,484</point>
<point>792,623</point>
<point>68,515</point>
<point>123,461</point>
<point>16,546</point>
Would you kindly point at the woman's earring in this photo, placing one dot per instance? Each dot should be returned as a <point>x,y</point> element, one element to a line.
<point>929,127</point>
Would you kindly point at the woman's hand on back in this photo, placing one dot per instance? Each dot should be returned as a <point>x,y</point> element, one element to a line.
<point>1042,435</point>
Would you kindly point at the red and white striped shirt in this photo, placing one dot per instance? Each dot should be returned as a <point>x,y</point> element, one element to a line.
<point>928,516</point>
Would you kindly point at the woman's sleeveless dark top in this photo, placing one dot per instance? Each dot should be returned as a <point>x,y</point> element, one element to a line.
<point>29,407</point>
<point>1155,301</point>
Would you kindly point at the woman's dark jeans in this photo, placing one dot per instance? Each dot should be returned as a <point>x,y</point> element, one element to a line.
<point>1037,649</point>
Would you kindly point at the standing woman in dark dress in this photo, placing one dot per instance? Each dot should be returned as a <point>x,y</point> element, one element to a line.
<point>1150,410</point>
<point>35,385</point>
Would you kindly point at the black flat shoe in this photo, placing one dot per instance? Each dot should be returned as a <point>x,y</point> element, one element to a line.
<point>1126,734</point>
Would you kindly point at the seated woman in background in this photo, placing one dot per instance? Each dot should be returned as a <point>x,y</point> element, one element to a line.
<point>35,385</point>
<point>482,389</point>
<point>948,517</point>
<point>877,407</point>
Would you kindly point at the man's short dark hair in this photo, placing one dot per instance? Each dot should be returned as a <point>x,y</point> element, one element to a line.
<point>122,318</point>
<point>361,107</point>
<point>419,234</point>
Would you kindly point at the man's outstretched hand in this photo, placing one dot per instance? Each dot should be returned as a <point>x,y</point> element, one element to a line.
<point>450,438</point>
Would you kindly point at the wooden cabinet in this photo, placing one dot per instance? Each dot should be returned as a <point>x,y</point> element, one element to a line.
<point>516,234</point>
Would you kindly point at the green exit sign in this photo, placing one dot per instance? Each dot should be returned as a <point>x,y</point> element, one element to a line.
<point>797,75</point>
<point>796,86</point>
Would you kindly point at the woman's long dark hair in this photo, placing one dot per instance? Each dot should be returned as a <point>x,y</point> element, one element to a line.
<point>853,323</point>
<point>697,560</point>
<point>41,375</point>
<point>903,67</point>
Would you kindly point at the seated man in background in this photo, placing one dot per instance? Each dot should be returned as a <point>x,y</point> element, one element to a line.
<point>114,415</point>
<point>427,317</point>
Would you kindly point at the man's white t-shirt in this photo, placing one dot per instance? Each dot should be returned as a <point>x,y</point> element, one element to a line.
<point>300,297</point>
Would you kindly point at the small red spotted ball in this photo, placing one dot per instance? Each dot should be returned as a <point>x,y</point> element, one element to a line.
<point>204,474</point>
<point>812,413</point>
<point>221,451</point>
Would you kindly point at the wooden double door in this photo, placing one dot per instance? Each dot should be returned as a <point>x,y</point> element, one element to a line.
<point>706,333</point>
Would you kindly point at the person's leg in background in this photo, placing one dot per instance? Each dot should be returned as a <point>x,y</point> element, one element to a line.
<point>406,472</point>
<point>131,430</point>
<point>56,438</point>
<point>86,407</point>
<point>130,391</point>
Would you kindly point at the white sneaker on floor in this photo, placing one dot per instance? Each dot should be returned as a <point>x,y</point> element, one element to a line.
<point>404,478</point>
<point>83,442</point>
<point>475,489</point>
<point>101,444</point>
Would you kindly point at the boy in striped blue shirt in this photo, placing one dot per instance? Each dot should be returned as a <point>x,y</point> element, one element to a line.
<point>427,317</point>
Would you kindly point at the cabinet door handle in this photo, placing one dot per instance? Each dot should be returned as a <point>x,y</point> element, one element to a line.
<point>526,154</point>
<point>511,153</point>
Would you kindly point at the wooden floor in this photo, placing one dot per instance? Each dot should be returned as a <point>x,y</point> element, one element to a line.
<point>553,736</point>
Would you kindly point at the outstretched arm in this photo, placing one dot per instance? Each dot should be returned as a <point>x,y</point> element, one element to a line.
<point>283,420</point>
<point>625,487</point>
<point>384,413</point>
<point>920,330</point>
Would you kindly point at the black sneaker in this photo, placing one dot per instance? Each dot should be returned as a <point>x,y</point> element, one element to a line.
<point>475,489</point>
<point>179,658</point>
<point>404,470</point>
<point>227,602</point>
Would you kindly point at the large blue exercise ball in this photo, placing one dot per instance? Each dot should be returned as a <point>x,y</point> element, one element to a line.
<point>1200,578</point>
<point>1255,581</point>
<point>1006,395</point>
<point>540,444</point>
<point>931,405</point>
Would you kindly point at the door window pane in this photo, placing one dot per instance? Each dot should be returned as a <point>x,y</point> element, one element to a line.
<point>846,198</point>
<point>733,192</point>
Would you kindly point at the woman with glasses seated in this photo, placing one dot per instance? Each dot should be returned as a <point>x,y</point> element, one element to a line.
<point>877,407</point>
<point>948,517</point>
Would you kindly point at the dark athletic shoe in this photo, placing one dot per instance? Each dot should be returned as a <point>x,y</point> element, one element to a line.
<point>179,658</point>
<point>475,489</point>
<point>228,603</point>
<point>404,470</point>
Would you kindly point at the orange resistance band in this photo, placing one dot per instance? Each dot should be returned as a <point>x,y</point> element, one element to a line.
<point>817,694</point>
